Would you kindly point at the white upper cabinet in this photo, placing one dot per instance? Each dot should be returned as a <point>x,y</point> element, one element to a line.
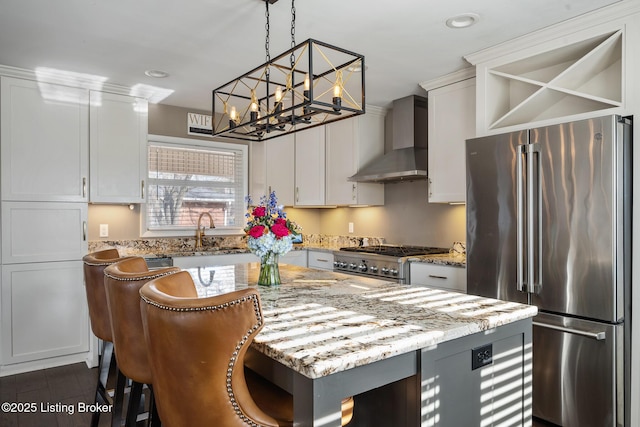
<point>351,144</point>
<point>44,141</point>
<point>118,136</point>
<point>272,169</point>
<point>451,122</point>
<point>257,169</point>
<point>310,167</point>
<point>280,167</point>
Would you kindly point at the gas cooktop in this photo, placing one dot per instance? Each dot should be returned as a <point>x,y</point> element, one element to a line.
<point>396,251</point>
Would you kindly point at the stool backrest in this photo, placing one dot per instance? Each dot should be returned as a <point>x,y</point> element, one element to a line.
<point>197,348</point>
<point>94,265</point>
<point>123,281</point>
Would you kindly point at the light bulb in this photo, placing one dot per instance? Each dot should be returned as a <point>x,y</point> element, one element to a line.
<point>278,94</point>
<point>306,82</point>
<point>233,114</point>
<point>254,107</point>
<point>337,91</point>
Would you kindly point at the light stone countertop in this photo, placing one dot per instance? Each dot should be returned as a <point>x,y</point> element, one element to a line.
<point>184,246</point>
<point>319,322</point>
<point>455,260</point>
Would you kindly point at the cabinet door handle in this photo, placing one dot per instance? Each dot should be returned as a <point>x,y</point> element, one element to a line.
<point>297,194</point>
<point>84,231</point>
<point>142,189</point>
<point>437,277</point>
<point>84,186</point>
<point>322,260</point>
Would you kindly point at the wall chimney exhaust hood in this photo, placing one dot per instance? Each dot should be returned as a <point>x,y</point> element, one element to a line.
<point>408,159</point>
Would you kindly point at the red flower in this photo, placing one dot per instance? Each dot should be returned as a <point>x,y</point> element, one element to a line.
<point>256,231</point>
<point>280,230</point>
<point>260,211</point>
<point>281,221</point>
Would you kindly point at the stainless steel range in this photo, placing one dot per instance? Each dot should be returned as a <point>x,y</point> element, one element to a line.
<point>383,261</point>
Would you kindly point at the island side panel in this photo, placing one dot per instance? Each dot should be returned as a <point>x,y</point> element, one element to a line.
<point>500,392</point>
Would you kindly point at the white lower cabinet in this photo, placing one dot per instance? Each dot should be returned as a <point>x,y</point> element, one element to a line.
<point>320,259</point>
<point>44,311</point>
<point>294,257</point>
<point>448,277</point>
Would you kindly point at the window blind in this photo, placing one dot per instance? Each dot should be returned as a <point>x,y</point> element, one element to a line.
<point>186,182</point>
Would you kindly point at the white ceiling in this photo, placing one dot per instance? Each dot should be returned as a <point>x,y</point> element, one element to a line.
<point>203,44</point>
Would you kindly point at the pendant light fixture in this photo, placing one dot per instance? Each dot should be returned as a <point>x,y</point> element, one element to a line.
<point>309,85</point>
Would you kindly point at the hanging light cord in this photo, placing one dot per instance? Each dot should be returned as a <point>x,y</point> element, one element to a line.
<point>266,27</point>
<point>293,31</point>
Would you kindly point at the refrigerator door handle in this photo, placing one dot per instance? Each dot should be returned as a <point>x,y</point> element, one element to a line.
<point>535,218</point>
<point>520,217</point>
<point>598,336</point>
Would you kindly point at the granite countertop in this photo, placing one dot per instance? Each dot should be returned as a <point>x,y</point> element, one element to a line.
<point>212,245</point>
<point>456,260</point>
<point>320,322</point>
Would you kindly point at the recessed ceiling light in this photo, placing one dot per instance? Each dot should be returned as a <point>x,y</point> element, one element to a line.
<point>463,21</point>
<point>158,74</point>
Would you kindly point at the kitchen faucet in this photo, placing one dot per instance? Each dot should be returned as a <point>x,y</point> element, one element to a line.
<point>200,231</point>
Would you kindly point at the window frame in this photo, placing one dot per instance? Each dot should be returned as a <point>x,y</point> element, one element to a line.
<point>197,144</point>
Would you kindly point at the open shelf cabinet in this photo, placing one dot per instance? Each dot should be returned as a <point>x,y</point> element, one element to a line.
<point>578,78</point>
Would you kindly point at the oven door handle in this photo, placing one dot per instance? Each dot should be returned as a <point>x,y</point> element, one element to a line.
<point>598,336</point>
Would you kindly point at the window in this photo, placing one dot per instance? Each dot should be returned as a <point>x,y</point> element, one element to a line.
<point>190,177</point>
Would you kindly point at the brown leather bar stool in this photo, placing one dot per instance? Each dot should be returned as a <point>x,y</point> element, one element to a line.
<point>94,265</point>
<point>122,282</point>
<point>197,348</point>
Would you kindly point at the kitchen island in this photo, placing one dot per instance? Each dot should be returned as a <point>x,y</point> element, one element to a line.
<point>404,352</point>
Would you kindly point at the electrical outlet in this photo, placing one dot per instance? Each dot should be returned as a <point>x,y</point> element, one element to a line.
<point>481,356</point>
<point>104,230</point>
<point>350,227</point>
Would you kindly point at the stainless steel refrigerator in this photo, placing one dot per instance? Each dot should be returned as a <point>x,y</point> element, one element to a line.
<point>549,224</point>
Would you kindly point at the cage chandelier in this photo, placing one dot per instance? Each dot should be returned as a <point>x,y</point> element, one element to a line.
<point>309,85</point>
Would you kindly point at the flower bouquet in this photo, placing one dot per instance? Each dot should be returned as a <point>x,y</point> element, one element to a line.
<point>270,235</point>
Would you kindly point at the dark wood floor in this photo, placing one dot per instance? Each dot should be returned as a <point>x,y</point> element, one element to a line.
<point>56,392</point>
<point>65,387</point>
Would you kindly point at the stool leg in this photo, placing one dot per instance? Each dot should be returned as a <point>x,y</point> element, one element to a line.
<point>103,374</point>
<point>134,403</point>
<point>118,399</point>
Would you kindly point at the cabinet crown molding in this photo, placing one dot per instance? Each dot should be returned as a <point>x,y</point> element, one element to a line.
<point>447,79</point>
<point>616,11</point>
<point>88,84</point>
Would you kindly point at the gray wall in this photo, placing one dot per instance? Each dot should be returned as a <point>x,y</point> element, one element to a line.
<point>406,218</point>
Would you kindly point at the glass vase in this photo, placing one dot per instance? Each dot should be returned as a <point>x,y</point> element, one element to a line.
<point>269,272</point>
